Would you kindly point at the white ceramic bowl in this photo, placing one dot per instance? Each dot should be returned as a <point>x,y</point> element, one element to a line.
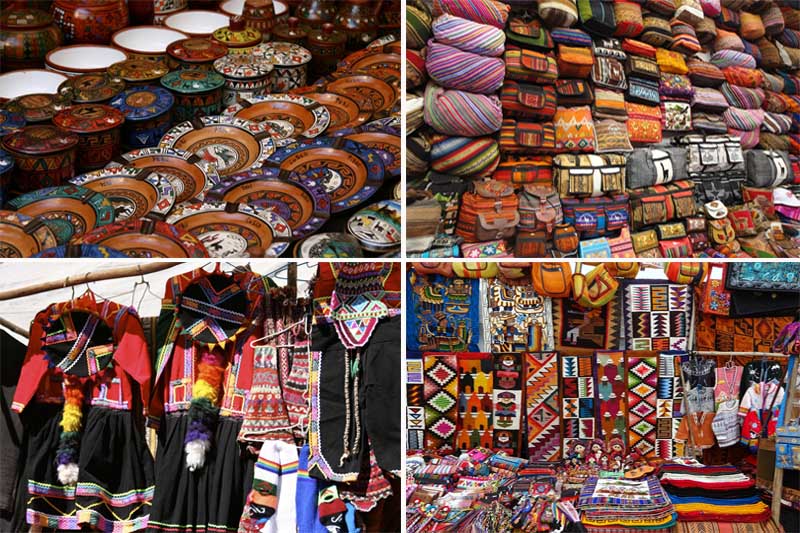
<point>197,23</point>
<point>32,81</point>
<point>146,40</point>
<point>235,7</point>
<point>83,58</point>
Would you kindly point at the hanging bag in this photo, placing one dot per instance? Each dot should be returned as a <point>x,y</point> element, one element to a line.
<point>552,279</point>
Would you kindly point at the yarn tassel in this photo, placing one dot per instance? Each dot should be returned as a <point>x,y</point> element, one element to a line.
<point>203,409</point>
<point>70,439</point>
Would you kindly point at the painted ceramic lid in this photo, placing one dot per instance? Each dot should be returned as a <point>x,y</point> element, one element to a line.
<point>192,81</point>
<point>327,36</point>
<point>197,50</point>
<point>23,236</point>
<point>283,54</point>
<point>25,19</point>
<point>143,103</point>
<point>10,122</point>
<point>89,118</point>
<point>288,115</point>
<point>40,140</point>
<point>146,238</point>
<point>138,70</point>
<point>328,246</point>
<point>237,35</point>
<point>242,66</point>
<point>377,227</point>
<point>92,87</point>
<point>6,162</point>
<point>38,107</point>
<point>81,250</point>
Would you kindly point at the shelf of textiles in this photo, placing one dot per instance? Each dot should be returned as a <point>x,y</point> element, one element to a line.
<point>585,128</point>
<point>211,131</point>
<point>254,394</point>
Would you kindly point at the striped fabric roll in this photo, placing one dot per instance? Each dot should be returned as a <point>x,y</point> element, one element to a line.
<point>732,58</point>
<point>465,156</point>
<point>772,82</point>
<point>462,113</point>
<point>743,97</point>
<point>743,119</point>
<point>465,71</point>
<point>773,20</point>
<point>418,27</point>
<point>776,123</point>
<point>483,11</point>
<point>469,36</point>
<point>749,139</point>
<point>418,154</point>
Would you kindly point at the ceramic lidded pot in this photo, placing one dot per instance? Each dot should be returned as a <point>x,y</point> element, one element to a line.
<point>169,6</point>
<point>359,19</point>
<point>237,37</point>
<point>44,156</point>
<point>245,76</point>
<point>196,92</point>
<point>148,115</point>
<point>90,21</point>
<point>6,166</point>
<point>92,88</point>
<point>26,35</point>
<point>291,32</point>
<point>290,64</point>
<point>138,71</point>
<point>195,53</point>
<point>260,15</point>
<point>327,46</point>
<point>10,122</point>
<point>146,42</point>
<point>98,128</point>
<point>39,107</point>
<point>315,13</point>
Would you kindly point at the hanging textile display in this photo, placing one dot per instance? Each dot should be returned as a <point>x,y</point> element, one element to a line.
<point>611,396</point>
<point>543,406</point>
<point>741,334</point>
<point>507,402</point>
<point>441,399</point>
<point>519,319</point>
<point>591,328</point>
<point>415,403</point>
<point>657,315</point>
<point>475,384</point>
<point>577,397</point>
<point>642,383</point>
<point>669,404</point>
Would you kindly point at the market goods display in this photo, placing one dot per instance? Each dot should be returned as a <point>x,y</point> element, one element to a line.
<point>603,129</point>
<point>288,111</point>
<point>555,396</point>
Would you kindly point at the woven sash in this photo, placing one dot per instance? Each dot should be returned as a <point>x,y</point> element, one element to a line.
<point>469,36</point>
<point>465,71</point>
<point>462,113</point>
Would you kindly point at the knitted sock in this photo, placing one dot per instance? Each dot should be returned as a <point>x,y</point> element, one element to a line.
<point>332,510</point>
<point>286,517</point>
<point>306,497</point>
<point>263,498</point>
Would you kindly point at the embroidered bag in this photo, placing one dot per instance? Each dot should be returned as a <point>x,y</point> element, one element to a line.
<point>574,61</point>
<point>768,168</point>
<point>662,203</point>
<point>672,230</point>
<point>645,244</point>
<point>528,101</point>
<point>629,18</point>
<point>686,41</point>
<point>721,232</point>
<point>671,62</point>
<point>611,136</point>
<point>488,211</point>
<point>609,104</point>
<point>574,129</point>
<point>597,248</point>
<point>655,166</point>
<point>597,288</point>
<point>475,270</point>
<point>529,33</point>
<point>704,74</point>
<point>676,248</point>
<point>479,250</point>
<point>638,48</point>
<point>643,91</point>
<point>525,169</point>
<point>571,37</point>
<point>642,67</point>
<point>622,246</point>
<point>517,136</point>
<point>598,216</point>
<point>574,92</point>
<point>609,72</point>
<point>553,280</point>
<point>708,100</point>
<point>597,17</point>
<point>657,31</point>
<point>677,116</point>
<point>675,86</point>
<point>589,175</point>
<point>609,47</point>
<point>539,208</point>
<point>530,66</point>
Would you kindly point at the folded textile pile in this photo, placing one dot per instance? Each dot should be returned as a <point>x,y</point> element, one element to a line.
<point>625,504</point>
<point>713,493</point>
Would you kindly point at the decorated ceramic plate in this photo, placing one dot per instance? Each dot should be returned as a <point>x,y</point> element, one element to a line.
<point>82,250</point>
<point>288,115</point>
<point>371,93</point>
<point>386,144</point>
<point>92,87</point>
<point>377,227</point>
<point>234,230</point>
<point>328,246</point>
<point>135,192</point>
<point>303,204</point>
<point>190,176</point>
<point>69,210</point>
<point>349,171</point>
<point>146,238</point>
<point>231,144</point>
<point>344,111</point>
<point>23,236</point>
<point>371,57</point>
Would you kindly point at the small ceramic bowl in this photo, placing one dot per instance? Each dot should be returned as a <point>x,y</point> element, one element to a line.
<point>32,81</point>
<point>83,58</point>
<point>197,23</point>
<point>146,42</point>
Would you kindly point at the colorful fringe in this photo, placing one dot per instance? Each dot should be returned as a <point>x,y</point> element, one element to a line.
<point>204,408</point>
<point>70,439</point>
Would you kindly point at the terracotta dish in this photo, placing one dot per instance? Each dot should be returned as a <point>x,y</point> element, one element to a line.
<point>146,238</point>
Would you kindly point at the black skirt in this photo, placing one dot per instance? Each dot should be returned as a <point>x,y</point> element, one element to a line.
<point>115,480</point>
<point>210,499</point>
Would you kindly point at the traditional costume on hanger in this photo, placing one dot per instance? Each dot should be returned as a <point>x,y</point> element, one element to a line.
<point>80,397</point>
<point>204,370</point>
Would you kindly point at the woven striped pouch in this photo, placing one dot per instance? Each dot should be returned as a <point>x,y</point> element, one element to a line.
<point>418,27</point>
<point>744,77</point>
<point>522,137</point>
<point>743,97</point>
<point>464,71</point>
<point>558,13</point>
<point>749,139</point>
<point>469,36</point>
<point>461,113</point>
<point>776,123</point>
<point>483,11</point>
<point>732,58</point>
<point>465,156</point>
<point>743,119</point>
<point>773,20</point>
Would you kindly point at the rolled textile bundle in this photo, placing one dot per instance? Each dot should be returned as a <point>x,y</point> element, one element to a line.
<point>416,75</point>
<point>706,30</point>
<point>791,17</point>
<point>752,50</point>
<point>465,71</point>
<point>776,123</point>
<point>770,56</point>
<point>772,82</point>
<point>773,20</point>
<point>711,8</point>
<point>418,27</point>
<point>461,113</point>
<point>732,58</point>
<point>773,141</point>
<point>743,119</point>
<point>415,112</point>
<point>629,19</point>
<point>558,13</point>
<point>749,139</point>
<point>483,11</point>
<point>465,156</point>
<point>469,36</point>
<point>418,154</point>
<point>752,27</point>
<point>743,97</point>
<point>727,40</point>
<point>774,102</point>
<point>686,41</point>
<point>689,11</point>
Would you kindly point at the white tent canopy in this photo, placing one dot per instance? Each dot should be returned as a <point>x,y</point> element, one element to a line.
<point>20,311</point>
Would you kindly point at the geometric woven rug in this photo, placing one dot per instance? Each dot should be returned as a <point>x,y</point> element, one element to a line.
<point>657,315</point>
<point>441,401</point>
<point>507,402</point>
<point>669,399</point>
<point>610,395</point>
<point>577,398</point>
<point>642,375</point>
<point>542,406</point>
<point>475,377</point>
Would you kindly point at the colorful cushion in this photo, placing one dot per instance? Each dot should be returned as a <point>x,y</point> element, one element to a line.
<point>705,74</point>
<point>665,7</point>
<point>752,27</point>
<point>706,31</point>
<point>677,116</point>
<point>558,13</point>
<point>708,100</point>
<point>709,123</point>
<point>629,19</point>
<point>773,141</point>
<point>776,123</point>
<point>728,40</point>
<point>483,11</point>
<point>774,102</point>
<point>571,37</point>
<point>773,21</point>
<point>460,113</point>
<point>671,62</point>
<point>639,48</point>
<point>675,86</point>
<point>711,8</point>
<point>657,30</point>
<point>469,36</point>
<point>574,129</point>
<point>597,17</point>
<point>642,130</point>
<point>744,77</point>
<point>455,69</point>
<point>749,139</point>
<point>689,11</point>
<point>770,55</point>
<point>609,104</point>
<point>729,19</point>
<point>771,82</point>
<point>686,41</point>
<point>752,50</point>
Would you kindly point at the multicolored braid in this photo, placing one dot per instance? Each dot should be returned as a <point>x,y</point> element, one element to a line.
<point>204,408</point>
<point>70,439</point>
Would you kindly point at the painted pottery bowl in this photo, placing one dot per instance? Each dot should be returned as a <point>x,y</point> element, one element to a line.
<point>195,53</point>
<point>197,23</point>
<point>135,192</point>
<point>83,58</point>
<point>146,42</point>
<point>23,236</point>
<point>44,156</point>
<point>148,114</point>
<point>32,81</point>
<point>146,238</point>
<point>26,36</point>
<point>90,22</point>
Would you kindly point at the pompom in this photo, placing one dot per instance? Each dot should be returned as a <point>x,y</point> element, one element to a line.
<point>196,453</point>
<point>68,473</point>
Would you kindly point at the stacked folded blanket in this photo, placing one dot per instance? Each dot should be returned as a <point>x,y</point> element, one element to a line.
<point>626,505</point>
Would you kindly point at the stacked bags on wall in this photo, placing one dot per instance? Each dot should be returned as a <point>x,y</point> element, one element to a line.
<point>650,128</point>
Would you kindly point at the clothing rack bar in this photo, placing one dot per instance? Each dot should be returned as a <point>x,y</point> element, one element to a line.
<point>13,327</point>
<point>743,354</point>
<point>71,281</point>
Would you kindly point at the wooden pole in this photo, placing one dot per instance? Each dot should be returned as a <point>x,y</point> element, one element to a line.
<point>69,281</point>
<point>13,327</point>
<point>291,276</point>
